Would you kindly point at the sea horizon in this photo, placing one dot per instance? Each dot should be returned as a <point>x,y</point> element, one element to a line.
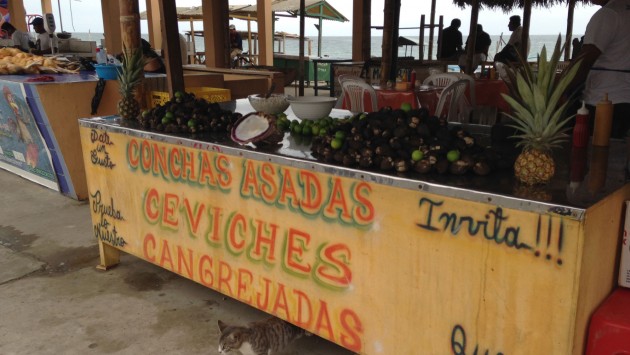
<point>340,47</point>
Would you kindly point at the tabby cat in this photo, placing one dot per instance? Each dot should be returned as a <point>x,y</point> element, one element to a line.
<point>265,337</point>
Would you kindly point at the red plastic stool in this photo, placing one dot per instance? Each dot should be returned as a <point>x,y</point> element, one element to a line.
<point>609,331</point>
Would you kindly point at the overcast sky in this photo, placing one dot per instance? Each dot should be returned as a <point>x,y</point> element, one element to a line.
<point>85,16</point>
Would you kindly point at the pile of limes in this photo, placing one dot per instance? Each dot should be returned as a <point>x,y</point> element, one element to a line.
<point>318,127</point>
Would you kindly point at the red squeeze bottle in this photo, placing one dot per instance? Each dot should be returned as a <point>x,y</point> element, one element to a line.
<point>580,131</point>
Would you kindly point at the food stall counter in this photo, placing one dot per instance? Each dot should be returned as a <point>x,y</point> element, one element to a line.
<point>476,262</point>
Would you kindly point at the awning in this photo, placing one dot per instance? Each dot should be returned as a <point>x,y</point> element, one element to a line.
<point>312,8</point>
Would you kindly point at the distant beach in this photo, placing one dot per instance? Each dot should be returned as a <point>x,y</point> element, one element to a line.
<point>340,47</point>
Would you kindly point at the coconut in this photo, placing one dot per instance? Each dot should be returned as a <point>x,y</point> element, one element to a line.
<point>256,127</point>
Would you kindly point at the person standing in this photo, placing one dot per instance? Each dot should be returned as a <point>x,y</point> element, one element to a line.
<point>512,49</point>
<point>236,42</point>
<point>451,41</point>
<point>20,39</point>
<point>482,45</point>
<point>604,64</point>
<point>45,43</point>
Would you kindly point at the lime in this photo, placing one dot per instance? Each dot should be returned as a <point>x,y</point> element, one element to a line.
<point>306,130</point>
<point>315,129</point>
<point>297,129</point>
<point>417,155</point>
<point>340,135</point>
<point>336,143</point>
<point>166,120</point>
<point>169,115</point>
<point>405,106</point>
<point>191,123</point>
<point>452,155</point>
<point>179,94</point>
<point>145,113</point>
<point>323,132</point>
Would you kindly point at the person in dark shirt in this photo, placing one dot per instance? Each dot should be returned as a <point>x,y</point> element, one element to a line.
<point>236,42</point>
<point>482,45</point>
<point>451,41</point>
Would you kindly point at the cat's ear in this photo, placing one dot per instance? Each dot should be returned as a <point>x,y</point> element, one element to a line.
<point>222,326</point>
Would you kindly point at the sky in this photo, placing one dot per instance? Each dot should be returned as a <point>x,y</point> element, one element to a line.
<point>85,16</point>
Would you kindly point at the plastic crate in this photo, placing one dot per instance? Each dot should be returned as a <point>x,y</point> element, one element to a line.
<point>206,93</point>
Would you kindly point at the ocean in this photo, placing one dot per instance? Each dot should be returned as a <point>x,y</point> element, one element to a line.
<point>340,47</point>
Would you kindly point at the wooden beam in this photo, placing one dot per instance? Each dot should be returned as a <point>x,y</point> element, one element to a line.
<point>472,36</point>
<point>265,32</point>
<point>569,40</point>
<point>129,24</point>
<point>18,15</point>
<point>432,19</point>
<point>216,34</point>
<point>301,51</point>
<point>527,17</point>
<point>111,25</point>
<point>154,19</point>
<point>172,53</point>
<point>47,7</point>
<point>361,31</point>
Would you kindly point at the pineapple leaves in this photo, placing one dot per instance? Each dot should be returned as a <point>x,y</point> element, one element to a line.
<point>537,112</point>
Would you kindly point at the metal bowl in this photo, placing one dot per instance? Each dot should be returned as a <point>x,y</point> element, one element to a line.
<point>273,105</point>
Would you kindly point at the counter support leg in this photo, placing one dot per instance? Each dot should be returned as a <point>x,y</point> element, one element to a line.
<point>110,256</point>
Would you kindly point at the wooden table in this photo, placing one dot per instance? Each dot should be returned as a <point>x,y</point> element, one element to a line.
<point>487,93</point>
<point>388,98</point>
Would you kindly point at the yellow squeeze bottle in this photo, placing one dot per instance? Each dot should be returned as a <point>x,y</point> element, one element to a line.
<point>603,122</point>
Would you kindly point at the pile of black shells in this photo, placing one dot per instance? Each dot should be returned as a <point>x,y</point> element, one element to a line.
<point>184,113</point>
<point>403,141</point>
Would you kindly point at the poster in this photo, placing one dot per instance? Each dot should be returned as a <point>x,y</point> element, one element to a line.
<point>23,150</point>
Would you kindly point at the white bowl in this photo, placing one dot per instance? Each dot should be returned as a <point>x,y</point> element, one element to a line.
<point>272,105</point>
<point>312,107</point>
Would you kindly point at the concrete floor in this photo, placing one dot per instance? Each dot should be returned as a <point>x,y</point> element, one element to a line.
<point>54,301</point>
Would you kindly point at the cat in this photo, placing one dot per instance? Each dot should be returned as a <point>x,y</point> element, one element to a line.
<point>265,337</point>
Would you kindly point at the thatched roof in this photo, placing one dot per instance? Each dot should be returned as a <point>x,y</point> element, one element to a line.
<point>507,5</point>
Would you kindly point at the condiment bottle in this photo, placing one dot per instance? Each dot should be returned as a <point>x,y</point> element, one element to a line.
<point>603,122</point>
<point>580,131</point>
<point>101,56</point>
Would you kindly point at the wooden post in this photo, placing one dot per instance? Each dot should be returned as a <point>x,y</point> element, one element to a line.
<point>472,36</point>
<point>569,40</point>
<point>439,41</point>
<point>386,61</point>
<point>432,19</point>
<point>18,15</point>
<point>154,19</point>
<point>129,24</point>
<point>47,7</point>
<point>421,38</point>
<point>109,256</point>
<point>301,55</point>
<point>216,34</point>
<point>265,32</point>
<point>111,25</point>
<point>361,23</point>
<point>172,53</point>
<point>527,16</point>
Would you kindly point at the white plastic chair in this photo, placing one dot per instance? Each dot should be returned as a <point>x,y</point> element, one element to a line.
<point>341,78</point>
<point>354,91</point>
<point>441,80</point>
<point>453,95</point>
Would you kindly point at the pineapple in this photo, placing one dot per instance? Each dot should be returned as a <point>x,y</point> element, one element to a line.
<point>537,115</point>
<point>128,79</point>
